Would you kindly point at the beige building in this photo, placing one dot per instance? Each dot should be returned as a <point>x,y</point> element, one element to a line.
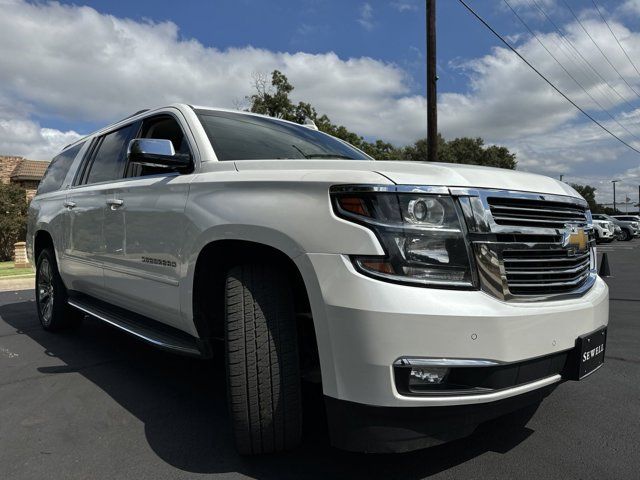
<point>20,171</point>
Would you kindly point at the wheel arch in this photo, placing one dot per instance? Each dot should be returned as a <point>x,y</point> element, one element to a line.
<point>228,242</point>
<point>213,262</point>
<point>42,239</point>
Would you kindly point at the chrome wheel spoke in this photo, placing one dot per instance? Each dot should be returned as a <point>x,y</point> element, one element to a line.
<point>45,290</point>
<point>46,311</point>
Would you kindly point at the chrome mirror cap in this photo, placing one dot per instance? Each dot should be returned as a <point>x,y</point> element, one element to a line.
<point>150,146</point>
<point>158,153</point>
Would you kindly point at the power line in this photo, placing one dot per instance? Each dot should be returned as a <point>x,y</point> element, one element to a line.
<point>600,49</point>
<point>508,45</point>
<point>572,45</point>
<point>614,36</point>
<point>575,57</point>
<point>567,71</point>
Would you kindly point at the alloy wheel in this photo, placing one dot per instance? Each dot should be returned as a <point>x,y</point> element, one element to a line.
<point>45,291</point>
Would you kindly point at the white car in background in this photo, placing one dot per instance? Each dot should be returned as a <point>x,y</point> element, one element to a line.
<point>604,230</point>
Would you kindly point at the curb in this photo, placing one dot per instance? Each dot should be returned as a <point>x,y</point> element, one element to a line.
<point>10,277</point>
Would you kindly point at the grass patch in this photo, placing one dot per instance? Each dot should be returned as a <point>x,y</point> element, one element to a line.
<point>8,270</point>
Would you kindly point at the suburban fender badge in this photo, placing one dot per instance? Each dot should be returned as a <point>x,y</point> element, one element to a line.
<point>159,261</point>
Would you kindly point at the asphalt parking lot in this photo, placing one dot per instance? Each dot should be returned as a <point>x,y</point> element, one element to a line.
<point>94,403</point>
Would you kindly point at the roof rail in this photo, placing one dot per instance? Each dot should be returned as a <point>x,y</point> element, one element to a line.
<point>134,114</point>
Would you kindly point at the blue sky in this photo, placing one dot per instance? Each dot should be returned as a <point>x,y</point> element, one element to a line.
<point>361,62</point>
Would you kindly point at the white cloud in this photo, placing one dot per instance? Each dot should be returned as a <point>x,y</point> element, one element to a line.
<point>27,138</point>
<point>507,102</point>
<point>366,16</point>
<point>630,7</point>
<point>529,7</point>
<point>405,5</point>
<point>99,68</point>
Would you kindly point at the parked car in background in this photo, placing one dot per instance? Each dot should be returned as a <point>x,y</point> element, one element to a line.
<point>605,231</point>
<point>634,220</point>
<point>627,230</point>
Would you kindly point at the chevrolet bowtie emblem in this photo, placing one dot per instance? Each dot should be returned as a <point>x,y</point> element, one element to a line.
<point>575,238</point>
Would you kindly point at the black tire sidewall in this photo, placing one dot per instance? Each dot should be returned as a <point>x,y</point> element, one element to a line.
<point>264,277</point>
<point>59,313</point>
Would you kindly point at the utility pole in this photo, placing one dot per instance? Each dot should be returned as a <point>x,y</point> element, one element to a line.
<point>432,77</point>
<point>561,175</point>
<point>614,196</point>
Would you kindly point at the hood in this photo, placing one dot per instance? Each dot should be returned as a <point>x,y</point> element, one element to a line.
<point>424,173</point>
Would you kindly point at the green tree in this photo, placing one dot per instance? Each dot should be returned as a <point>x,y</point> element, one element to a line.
<point>589,194</point>
<point>13,218</point>
<point>464,150</point>
<point>272,98</point>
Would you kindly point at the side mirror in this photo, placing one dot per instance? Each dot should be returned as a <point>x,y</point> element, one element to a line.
<point>153,152</point>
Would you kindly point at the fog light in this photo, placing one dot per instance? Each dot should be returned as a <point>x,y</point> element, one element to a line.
<point>427,375</point>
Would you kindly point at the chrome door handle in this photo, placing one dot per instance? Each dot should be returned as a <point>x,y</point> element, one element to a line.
<point>115,203</point>
<point>68,204</point>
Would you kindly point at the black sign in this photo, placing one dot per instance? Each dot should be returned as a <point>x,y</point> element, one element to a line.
<point>591,349</point>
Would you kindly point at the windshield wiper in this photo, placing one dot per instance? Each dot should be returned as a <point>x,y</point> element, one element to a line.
<point>329,155</point>
<point>322,155</point>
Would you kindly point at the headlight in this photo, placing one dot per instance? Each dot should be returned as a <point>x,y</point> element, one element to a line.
<point>421,233</point>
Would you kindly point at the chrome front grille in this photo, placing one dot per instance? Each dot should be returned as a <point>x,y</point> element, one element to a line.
<point>522,246</point>
<point>545,271</point>
<point>521,212</point>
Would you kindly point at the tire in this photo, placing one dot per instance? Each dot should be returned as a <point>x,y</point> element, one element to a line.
<point>263,373</point>
<point>626,236</point>
<point>51,295</point>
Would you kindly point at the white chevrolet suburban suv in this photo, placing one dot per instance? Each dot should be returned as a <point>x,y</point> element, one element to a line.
<point>426,298</point>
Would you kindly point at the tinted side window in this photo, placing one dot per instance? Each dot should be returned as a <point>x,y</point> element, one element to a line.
<point>108,162</point>
<point>57,171</point>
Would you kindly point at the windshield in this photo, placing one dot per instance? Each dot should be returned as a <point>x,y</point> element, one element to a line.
<point>237,136</point>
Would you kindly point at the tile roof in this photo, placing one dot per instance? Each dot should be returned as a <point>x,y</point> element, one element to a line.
<point>29,170</point>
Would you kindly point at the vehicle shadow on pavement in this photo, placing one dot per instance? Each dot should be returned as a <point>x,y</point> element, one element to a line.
<point>182,403</point>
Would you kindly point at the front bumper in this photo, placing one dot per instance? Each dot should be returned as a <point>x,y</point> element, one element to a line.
<point>365,428</point>
<point>368,324</point>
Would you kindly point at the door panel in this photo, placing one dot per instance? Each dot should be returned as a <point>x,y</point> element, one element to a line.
<point>86,245</point>
<point>145,231</point>
<point>84,240</point>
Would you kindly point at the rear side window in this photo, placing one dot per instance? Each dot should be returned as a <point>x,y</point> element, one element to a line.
<point>109,160</point>
<point>58,169</point>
